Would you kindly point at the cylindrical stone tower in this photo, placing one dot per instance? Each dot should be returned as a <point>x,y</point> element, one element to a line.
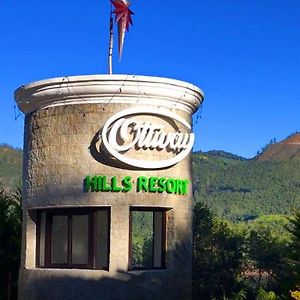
<point>107,188</point>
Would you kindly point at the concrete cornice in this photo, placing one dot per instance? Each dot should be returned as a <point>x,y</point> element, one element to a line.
<point>105,89</point>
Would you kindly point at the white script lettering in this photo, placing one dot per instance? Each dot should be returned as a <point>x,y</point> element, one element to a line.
<point>123,132</point>
<point>147,136</point>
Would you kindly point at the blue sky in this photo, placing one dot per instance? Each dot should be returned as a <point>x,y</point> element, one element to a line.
<point>245,56</point>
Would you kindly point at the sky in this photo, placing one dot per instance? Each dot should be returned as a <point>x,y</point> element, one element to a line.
<point>244,55</point>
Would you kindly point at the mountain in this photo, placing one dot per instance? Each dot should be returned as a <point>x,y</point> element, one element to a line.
<point>10,167</point>
<point>288,149</point>
<point>221,153</point>
<point>239,189</point>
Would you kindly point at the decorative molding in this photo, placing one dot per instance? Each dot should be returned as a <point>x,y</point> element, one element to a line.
<point>106,89</point>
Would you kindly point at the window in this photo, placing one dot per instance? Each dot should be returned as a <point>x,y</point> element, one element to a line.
<point>147,238</point>
<point>73,238</point>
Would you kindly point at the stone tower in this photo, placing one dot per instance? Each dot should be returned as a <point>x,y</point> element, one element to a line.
<point>107,188</point>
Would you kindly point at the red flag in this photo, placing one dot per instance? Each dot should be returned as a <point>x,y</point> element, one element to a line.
<point>123,19</point>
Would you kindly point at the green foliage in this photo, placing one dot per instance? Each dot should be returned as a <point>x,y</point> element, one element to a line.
<point>241,190</point>
<point>10,242</point>
<point>217,256</point>
<point>255,198</point>
<point>248,260</point>
<point>10,166</point>
<point>277,224</point>
<point>266,260</point>
<point>241,295</point>
<point>294,254</point>
<point>142,239</point>
<point>264,295</point>
<point>223,154</point>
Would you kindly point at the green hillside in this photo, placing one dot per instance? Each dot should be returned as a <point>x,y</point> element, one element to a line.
<point>10,166</point>
<point>235,188</point>
<point>239,189</point>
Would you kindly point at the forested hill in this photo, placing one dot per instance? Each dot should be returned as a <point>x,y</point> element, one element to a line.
<point>241,189</point>
<point>10,167</point>
<point>234,187</point>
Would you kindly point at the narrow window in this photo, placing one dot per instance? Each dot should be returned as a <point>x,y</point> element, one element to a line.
<point>102,240</point>
<point>41,234</point>
<point>59,239</point>
<point>80,239</point>
<point>147,238</point>
<point>73,238</point>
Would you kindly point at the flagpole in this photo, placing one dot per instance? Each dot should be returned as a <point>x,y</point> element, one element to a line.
<point>124,20</point>
<point>111,41</point>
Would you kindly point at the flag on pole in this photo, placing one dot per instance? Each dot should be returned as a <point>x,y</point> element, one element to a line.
<point>123,19</point>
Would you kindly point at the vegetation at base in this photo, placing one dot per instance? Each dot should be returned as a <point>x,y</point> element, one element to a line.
<point>10,242</point>
<point>294,254</point>
<point>217,257</point>
<point>253,263</point>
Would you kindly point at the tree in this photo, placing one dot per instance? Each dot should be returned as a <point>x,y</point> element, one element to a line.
<point>217,256</point>
<point>295,254</point>
<point>266,267</point>
<point>10,242</point>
